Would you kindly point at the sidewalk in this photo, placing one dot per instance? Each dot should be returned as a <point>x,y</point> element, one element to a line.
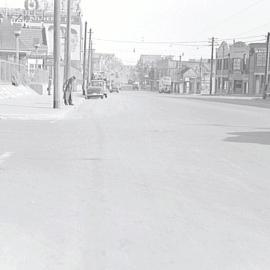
<point>237,100</point>
<point>36,107</point>
<point>10,91</point>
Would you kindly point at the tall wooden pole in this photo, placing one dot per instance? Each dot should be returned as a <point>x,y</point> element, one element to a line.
<point>68,40</point>
<point>84,58</point>
<point>212,65</point>
<point>56,52</point>
<point>89,75</point>
<point>266,67</point>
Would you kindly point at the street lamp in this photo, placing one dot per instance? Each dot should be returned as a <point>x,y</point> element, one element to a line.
<point>17,34</point>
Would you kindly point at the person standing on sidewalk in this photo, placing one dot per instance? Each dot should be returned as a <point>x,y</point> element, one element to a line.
<point>68,87</point>
<point>49,86</point>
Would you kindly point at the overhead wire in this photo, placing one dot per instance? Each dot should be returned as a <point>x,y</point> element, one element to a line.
<point>240,11</point>
<point>256,28</point>
<point>194,43</point>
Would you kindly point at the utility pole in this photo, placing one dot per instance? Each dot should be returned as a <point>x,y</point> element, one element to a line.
<point>266,67</point>
<point>201,75</point>
<point>91,61</point>
<point>56,53</point>
<point>84,58</point>
<point>17,36</point>
<point>180,61</point>
<point>222,68</point>
<point>89,65</point>
<point>212,64</point>
<point>68,47</point>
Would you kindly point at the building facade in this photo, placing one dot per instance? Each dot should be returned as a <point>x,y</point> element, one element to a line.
<point>239,68</point>
<point>222,69</point>
<point>257,61</point>
<point>39,13</point>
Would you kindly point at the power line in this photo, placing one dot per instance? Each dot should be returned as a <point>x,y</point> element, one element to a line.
<point>222,21</point>
<point>241,37</point>
<point>154,42</point>
<point>194,43</point>
<point>256,28</point>
<point>241,11</point>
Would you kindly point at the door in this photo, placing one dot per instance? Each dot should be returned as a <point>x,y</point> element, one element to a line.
<point>257,84</point>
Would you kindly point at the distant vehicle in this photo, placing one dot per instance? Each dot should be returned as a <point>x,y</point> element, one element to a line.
<point>114,89</point>
<point>97,89</point>
<point>136,86</point>
<point>165,85</point>
<point>127,87</point>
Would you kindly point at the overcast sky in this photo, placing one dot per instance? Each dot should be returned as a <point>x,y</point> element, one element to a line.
<point>170,21</point>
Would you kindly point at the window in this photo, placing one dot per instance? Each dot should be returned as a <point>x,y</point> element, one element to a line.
<point>219,64</point>
<point>32,67</point>
<point>238,84</point>
<point>260,59</point>
<point>226,64</point>
<point>236,64</point>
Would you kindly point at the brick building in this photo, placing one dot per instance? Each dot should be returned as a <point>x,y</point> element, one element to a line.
<point>239,68</point>
<point>257,59</point>
<point>222,68</point>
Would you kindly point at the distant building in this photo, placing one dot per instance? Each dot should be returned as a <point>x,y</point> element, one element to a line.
<point>222,69</point>
<point>257,61</point>
<point>191,76</point>
<point>239,68</point>
<point>108,66</point>
<point>146,68</point>
<point>199,82</point>
<point>148,60</point>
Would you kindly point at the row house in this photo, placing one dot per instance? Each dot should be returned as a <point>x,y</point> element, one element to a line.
<point>257,61</point>
<point>232,68</point>
<point>240,68</point>
<point>222,68</point>
<point>238,76</point>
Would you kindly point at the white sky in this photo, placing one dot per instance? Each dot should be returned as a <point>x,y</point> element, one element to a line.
<point>169,21</point>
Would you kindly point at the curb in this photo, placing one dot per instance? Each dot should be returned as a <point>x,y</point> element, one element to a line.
<point>56,114</point>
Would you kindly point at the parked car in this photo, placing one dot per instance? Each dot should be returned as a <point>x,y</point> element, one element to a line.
<point>97,89</point>
<point>114,89</point>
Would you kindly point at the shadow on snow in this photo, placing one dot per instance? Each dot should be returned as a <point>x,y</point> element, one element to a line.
<point>257,137</point>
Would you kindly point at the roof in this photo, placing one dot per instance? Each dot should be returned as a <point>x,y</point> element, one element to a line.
<point>150,58</point>
<point>257,45</point>
<point>29,37</point>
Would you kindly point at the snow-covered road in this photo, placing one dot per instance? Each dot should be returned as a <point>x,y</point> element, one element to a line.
<point>138,181</point>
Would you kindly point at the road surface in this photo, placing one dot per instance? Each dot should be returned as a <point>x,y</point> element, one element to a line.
<point>137,181</point>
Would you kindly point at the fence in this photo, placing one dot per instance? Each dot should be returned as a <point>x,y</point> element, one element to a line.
<point>12,73</point>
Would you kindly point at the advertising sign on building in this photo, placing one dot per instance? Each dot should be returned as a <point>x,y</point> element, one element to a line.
<point>75,40</point>
<point>166,80</point>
